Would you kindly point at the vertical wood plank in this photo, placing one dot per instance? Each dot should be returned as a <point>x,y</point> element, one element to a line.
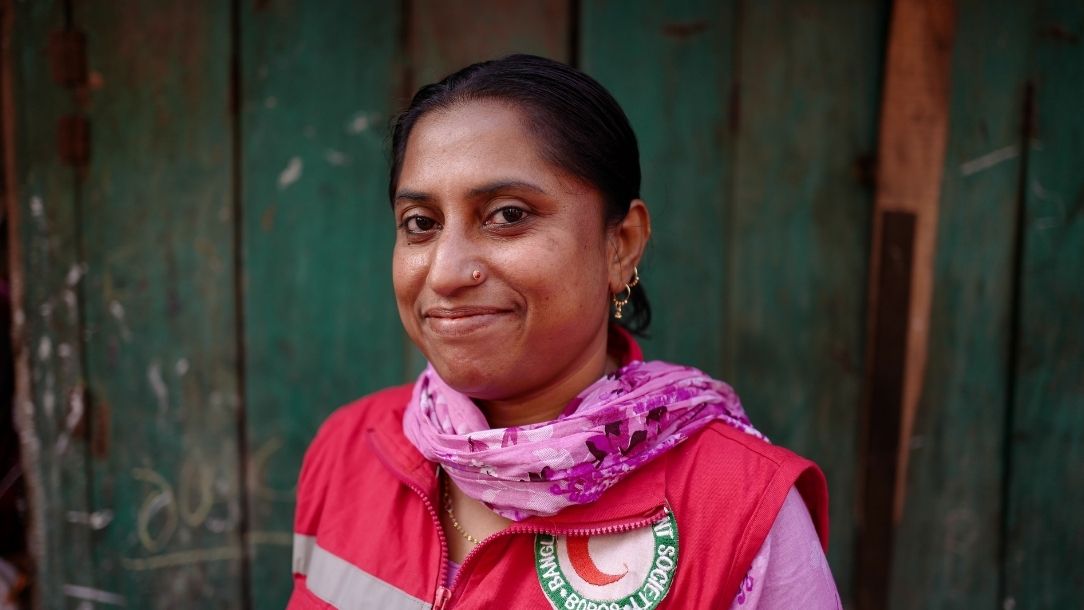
<point>320,323</point>
<point>1045,532</point>
<point>670,67</point>
<point>445,36</point>
<point>914,128</point>
<point>805,131</point>
<point>947,539</point>
<point>161,357</point>
<point>895,257</point>
<point>911,154</point>
<point>40,204</point>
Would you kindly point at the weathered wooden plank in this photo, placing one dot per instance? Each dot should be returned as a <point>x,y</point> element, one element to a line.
<point>320,322</point>
<point>41,209</point>
<point>806,128</point>
<point>1045,531</point>
<point>947,539</point>
<point>894,258</point>
<point>677,97</point>
<point>914,130</point>
<point>161,356</point>
<point>444,36</point>
<point>910,163</point>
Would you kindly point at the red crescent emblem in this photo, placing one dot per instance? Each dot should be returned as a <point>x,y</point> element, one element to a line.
<point>585,567</point>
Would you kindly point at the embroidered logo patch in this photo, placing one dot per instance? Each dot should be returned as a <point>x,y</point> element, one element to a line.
<point>626,571</point>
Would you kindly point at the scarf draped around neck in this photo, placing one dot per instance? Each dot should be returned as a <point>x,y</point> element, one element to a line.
<point>610,429</point>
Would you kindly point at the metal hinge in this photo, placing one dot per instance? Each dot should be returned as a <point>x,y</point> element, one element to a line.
<point>68,59</point>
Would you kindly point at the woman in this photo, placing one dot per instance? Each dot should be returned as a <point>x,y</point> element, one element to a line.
<point>538,462</point>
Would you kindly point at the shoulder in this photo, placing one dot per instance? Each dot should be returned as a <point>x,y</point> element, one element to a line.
<point>727,488</point>
<point>719,444</point>
<point>753,475</point>
<point>338,452</point>
<point>358,415</point>
<point>346,425</point>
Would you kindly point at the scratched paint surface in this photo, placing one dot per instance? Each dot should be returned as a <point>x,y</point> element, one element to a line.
<point>161,358</point>
<point>1045,531</point>
<point>321,327</point>
<point>798,239</point>
<point>56,461</point>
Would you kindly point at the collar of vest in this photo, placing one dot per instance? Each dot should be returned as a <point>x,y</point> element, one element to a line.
<point>625,502</point>
<point>638,497</point>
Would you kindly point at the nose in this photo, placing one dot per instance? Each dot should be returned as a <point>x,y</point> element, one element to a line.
<point>454,261</point>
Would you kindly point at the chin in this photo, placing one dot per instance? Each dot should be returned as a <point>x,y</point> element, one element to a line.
<point>477,377</point>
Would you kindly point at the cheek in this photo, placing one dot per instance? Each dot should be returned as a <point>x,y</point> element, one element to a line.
<point>408,276</point>
<point>566,278</point>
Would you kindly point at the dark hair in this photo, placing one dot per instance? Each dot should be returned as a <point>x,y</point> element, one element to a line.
<point>581,127</point>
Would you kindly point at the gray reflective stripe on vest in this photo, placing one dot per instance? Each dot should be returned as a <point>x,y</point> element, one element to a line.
<point>343,584</point>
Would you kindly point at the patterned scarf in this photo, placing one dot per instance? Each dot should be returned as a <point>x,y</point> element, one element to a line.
<point>617,424</point>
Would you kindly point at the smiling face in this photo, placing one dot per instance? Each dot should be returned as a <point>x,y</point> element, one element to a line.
<point>502,264</point>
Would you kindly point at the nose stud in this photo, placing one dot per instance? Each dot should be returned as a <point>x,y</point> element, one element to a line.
<point>477,275</point>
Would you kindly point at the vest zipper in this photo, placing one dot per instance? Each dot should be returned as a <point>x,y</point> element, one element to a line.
<point>444,594</point>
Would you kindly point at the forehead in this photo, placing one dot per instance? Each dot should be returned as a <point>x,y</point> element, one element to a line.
<point>476,142</point>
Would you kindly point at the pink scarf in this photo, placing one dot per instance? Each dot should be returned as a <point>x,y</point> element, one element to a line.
<point>615,425</point>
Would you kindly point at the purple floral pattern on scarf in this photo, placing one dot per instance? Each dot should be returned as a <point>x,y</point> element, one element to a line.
<point>620,422</point>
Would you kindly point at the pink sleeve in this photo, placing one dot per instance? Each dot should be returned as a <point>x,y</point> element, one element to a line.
<point>790,570</point>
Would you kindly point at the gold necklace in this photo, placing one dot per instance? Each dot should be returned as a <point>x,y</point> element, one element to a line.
<point>451,516</point>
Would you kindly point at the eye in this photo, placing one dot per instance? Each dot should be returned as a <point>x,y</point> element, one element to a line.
<point>507,215</point>
<point>419,224</point>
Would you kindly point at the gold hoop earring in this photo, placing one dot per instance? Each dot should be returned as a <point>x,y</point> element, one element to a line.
<point>635,278</point>
<point>620,303</point>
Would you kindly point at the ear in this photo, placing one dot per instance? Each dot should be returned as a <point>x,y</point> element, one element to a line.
<point>627,242</point>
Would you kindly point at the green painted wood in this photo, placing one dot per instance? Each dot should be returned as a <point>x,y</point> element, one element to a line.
<point>1045,532</point>
<point>678,100</point>
<point>798,234</point>
<point>55,451</point>
<point>161,357</point>
<point>947,542</point>
<point>320,322</point>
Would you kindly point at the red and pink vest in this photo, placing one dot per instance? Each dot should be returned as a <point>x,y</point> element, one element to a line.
<point>680,532</point>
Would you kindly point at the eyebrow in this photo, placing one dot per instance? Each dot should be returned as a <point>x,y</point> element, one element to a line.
<point>489,189</point>
<point>412,196</point>
<point>505,185</point>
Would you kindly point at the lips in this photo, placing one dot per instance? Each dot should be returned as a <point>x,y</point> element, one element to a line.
<point>460,321</point>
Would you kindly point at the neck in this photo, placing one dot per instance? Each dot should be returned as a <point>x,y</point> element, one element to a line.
<point>546,404</point>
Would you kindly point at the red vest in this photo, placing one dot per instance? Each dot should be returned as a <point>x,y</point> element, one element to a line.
<point>680,532</point>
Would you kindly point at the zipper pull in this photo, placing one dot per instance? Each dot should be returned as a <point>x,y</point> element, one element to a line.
<point>443,595</point>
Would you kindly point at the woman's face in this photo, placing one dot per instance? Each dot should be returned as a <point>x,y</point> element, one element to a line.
<point>501,259</point>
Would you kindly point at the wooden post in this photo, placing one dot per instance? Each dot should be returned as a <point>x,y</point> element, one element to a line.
<point>914,124</point>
